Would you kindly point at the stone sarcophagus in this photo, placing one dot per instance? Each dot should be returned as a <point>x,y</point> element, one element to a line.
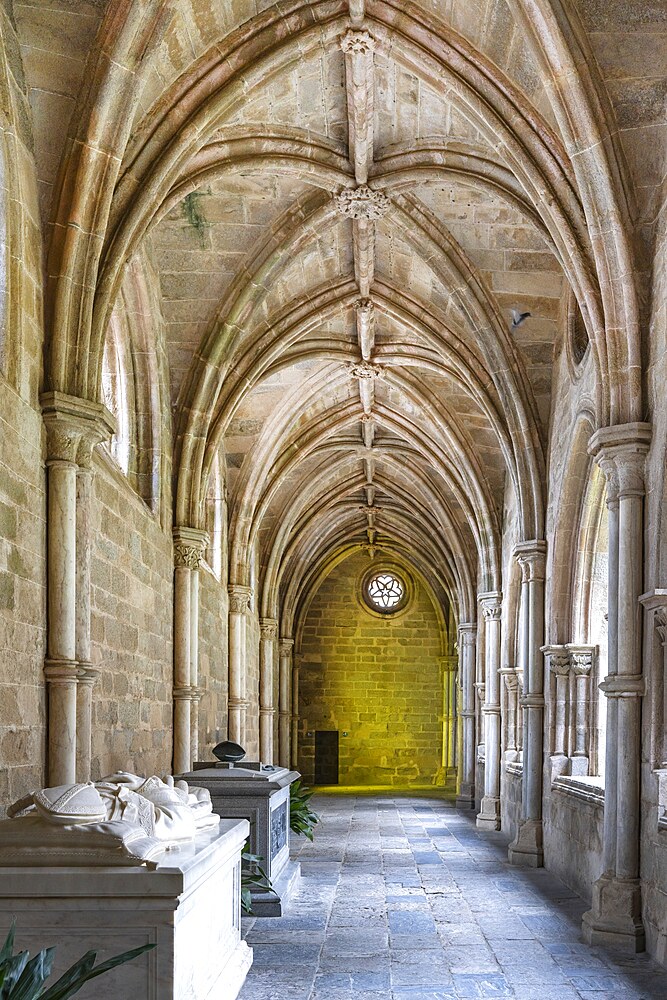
<point>259,793</point>
<point>132,863</point>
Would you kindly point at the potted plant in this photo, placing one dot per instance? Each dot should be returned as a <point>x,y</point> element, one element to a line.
<point>301,817</point>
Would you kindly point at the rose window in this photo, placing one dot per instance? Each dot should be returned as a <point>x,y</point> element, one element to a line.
<point>385,591</point>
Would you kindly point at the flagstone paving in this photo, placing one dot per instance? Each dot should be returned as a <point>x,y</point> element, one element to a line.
<point>402,898</point>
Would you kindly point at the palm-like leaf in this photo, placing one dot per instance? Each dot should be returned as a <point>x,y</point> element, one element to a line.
<point>85,969</point>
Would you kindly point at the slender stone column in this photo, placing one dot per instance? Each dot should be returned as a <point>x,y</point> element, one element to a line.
<point>527,849</point>
<point>195,691</point>
<point>488,817</point>
<point>615,916</point>
<point>467,633</point>
<point>448,712</point>
<point>508,717</point>
<point>285,679</point>
<point>268,633</point>
<point>189,545</point>
<point>73,427</point>
<point>296,667</point>
<point>61,667</point>
<point>559,666</point>
<point>452,720</point>
<point>87,672</point>
<point>239,597</point>
<point>655,602</point>
<point>581,661</point>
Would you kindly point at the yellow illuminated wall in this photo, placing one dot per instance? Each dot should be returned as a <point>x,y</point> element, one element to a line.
<point>378,679</point>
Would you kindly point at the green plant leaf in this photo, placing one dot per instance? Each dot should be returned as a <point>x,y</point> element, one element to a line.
<point>8,946</point>
<point>33,977</point>
<point>13,969</point>
<point>64,989</point>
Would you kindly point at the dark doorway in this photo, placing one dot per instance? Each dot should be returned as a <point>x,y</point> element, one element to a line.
<point>326,757</point>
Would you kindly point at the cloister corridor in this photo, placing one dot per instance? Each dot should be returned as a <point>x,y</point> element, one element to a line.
<point>403,898</point>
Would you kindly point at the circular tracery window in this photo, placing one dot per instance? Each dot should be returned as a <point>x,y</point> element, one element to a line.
<point>385,592</point>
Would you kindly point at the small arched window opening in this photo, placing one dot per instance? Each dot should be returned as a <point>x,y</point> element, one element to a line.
<point>215,519</point>
<point>115,394</point>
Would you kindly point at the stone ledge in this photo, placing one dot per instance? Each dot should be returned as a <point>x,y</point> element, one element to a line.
<point>514,767</point>
<point>588,789</point>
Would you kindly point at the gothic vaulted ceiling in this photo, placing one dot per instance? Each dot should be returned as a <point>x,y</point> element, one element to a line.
<point>343,207</point>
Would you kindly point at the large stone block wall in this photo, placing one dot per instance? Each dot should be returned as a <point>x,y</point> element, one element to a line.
<point>213,661</point>
<point>132,628</point>
<point>377,679</point>
<point>573,839</point>
<point>22,597</point>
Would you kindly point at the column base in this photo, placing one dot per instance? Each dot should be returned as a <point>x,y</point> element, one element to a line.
<point>466,796</point>
<point>614,920</point>
<point>526,850</point>
<point>488,818</point>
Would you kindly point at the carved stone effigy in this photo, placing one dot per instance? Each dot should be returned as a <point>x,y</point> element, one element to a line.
<point>125,861</point>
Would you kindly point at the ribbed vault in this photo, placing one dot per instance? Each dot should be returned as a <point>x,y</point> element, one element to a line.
<point>344,204</point>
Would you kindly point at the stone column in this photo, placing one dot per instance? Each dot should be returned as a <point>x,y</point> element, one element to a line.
<point>559,667</point>
<point>509,717</point>
<point>268,633</point>
<point>448,712</point>
<point>73,427</point>
<point>488,817</point>
<point>88,673</point>
<point>239,598</point>
<point>615,916</point>
<point>61,667</point>
<point>581,664</point>
<point>294,750</point>
<point>189,545</point>
<point>655,602</point>
<point>467,633</point>
<point>285,679</point>
<point>195,691</point>
<point>527,849</point>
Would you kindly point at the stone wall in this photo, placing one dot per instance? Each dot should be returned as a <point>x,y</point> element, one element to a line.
<point>132,626</point>
<point>22,597</point>
<point>213,660</point>
<point>377,679</point>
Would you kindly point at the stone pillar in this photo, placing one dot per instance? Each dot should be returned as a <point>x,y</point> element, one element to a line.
<point>467,633</point>
<point>87,672</point>
<point>189,545</point>
<point>268,633</point>
<point>73,427</point>
<point>285,679</point>
<point>239,598</point>
<point>448,713</point>
<point>559,668</point>
<point>195,691</point>
<point>488,817</point>
<point>294,751</point>
<point>509,717</point>
<point>581,665</point>
<point>615,916</point>
<point>655,602</point>
<point>527,848</point>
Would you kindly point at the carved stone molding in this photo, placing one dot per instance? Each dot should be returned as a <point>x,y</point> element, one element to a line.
<point>268,628</point>
<point>74,426</point>
<point>558,657</point>
<point>491,605</point>
<point>285,647</point>
<point>621,453</point>
<point>189,546</point>
<point>362,203</point>
<point>531,557</point>
<point>239,599</point>
<point>656,601</point>
<point>357,41</point>
<point>365,370</point>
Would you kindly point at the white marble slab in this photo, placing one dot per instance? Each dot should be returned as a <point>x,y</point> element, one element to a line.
<point>190,905</point>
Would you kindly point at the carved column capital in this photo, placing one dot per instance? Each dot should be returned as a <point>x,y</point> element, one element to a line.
<point>491,604</point>
<point>656,601</point>
<point>621,454</point>
<point>285,647</point>
<point>558,657</point>
<point>268,628</point>
<point>74,426</point>
<point>362,203</point>
<point>581,658</point>
<point>532,557</point>
<point>239,599</point>
<point>189,546</point>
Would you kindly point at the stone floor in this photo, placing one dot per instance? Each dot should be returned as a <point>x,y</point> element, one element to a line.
<point>403,898</point>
